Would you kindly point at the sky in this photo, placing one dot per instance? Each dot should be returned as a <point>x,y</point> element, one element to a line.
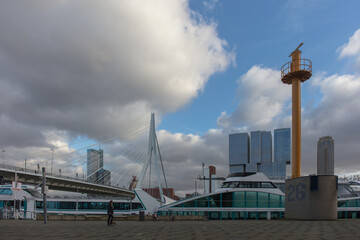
<point>91,72</point>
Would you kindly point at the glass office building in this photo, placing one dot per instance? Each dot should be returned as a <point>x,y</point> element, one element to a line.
<point>255,154</point>
<point>95,162</point>
<point>255,147</point>
<point>282,151</point>
<point>239,157</point>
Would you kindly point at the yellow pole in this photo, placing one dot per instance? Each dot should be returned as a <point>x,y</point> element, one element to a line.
<point>296,117</point>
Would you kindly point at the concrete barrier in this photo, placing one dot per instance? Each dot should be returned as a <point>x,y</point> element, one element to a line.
<point>311,198</point>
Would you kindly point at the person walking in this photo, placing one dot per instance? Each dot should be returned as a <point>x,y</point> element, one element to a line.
<point>110,212</point>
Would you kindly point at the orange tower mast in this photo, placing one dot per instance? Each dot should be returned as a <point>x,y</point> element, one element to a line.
<point>294,72</point>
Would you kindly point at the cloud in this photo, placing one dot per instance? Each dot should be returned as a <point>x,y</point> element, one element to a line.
<point>94,67</point>
<point>262,97</point>
<point>183,155</point>
<point>336,115</point>
<point>264,104</point>
<point>210,4</point>
<point>352,47</point>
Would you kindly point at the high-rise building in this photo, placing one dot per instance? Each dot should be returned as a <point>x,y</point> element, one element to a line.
<point>103,177</point>
<point>258,155</point>
<point>266,147</point>
<point>95,162</point>
<point>266,165</point>
<point>239,148</point>
<point>255,147</point>
<point>325,156</point>
<point>282,151</point>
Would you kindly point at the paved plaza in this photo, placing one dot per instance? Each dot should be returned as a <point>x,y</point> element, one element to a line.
<point>251,229</point>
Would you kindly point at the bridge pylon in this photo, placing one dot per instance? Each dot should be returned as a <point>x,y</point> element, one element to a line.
<point>153,155</point>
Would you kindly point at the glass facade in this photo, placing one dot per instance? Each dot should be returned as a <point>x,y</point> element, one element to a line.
<point>258,155</point>
<point>95,161</point>
<point>87,206</point>
<point>282,148</point>
<point>255,148</point>
<point>282,151</point>
<point>234,205</point>
<point>239,146</point>
<point>245,205</point>
<point>266,147</point>
<point>242,199</point>
<point>349,208</point>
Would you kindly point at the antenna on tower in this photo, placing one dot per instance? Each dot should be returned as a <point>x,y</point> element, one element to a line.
<point>297,49</point>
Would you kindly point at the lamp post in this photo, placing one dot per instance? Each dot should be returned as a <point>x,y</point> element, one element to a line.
<point>195,193</point>
<point>3,151</point>
<point>52,160</point>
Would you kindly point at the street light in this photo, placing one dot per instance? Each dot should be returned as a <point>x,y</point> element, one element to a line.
<point>52,160</point>
<point>3,151</point>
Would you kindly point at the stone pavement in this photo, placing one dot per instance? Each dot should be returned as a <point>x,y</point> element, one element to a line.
<point>249,229</point>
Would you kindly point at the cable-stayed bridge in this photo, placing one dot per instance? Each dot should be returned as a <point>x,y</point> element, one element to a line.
<point>63,183</point>
<point>131,156</point>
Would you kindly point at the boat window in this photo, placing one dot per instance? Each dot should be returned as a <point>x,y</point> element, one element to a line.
<point>267,185</point>
<point>225,184</point>
<point>136,206</point>
<point>6,191</point>
<point>255,185</point>
<point>244,185</point>
<point>248,185</point>
<point>233,184</point>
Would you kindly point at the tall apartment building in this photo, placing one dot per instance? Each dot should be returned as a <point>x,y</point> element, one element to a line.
<point>255,153</point>
<point>95,162</point>
<point>325,156</point>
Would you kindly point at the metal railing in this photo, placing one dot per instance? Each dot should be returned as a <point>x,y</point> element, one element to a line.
<point>305,65</point>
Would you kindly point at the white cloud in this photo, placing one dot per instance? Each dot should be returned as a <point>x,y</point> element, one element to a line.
<point>210,4</point>
<point>264,105</point>
<point>94,67</point>
<point>352,47</point>
<point>262,97</point>
<point>183,156</point>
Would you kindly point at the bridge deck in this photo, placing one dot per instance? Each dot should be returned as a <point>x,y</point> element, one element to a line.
<point>63,183</point>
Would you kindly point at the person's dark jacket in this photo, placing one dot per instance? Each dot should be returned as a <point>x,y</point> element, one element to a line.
<point>110,209</point>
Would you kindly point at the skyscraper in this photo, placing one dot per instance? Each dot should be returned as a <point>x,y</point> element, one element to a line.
<point>282,150</point>
<point>103,177</point>
<point>255,149</point>
<point>95,162</point>
<point>266,147</point>
<point>258,155</point>
<point>325,156</point>
<point>239,146</point>
<point>266,165</point>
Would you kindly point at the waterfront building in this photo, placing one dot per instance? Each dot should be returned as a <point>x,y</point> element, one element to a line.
<point>255,153</point>
<point>249,196</point>
<point>95,162</point>
<point>325,156</point>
